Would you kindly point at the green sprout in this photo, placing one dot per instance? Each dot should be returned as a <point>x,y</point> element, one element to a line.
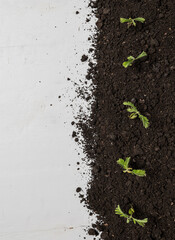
<point>130,217</point>
<point>134,113</point>
<point>131,21</point>
<point>131,59</point>
<point>125,165</point>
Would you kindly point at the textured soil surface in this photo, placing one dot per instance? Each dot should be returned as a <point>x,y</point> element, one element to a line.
<point>110,134</point>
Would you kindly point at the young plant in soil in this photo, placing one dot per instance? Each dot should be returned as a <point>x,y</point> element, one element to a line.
<point>135,113</point>
<point>131,21</point>
<point>129,217</point>
<point>131,59</point>
<point>125,165</point>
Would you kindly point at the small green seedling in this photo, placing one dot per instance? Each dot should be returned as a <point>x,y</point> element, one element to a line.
<point>125,165</point>
<point>134,113</point>
<point>131,21</point>
<point>131,59</point>
<point>130,217</point>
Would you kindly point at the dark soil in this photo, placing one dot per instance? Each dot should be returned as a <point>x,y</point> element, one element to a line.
<point>84,58</point>
<point>110,134</point>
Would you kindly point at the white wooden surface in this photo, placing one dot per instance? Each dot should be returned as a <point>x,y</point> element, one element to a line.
<point>39,40</point>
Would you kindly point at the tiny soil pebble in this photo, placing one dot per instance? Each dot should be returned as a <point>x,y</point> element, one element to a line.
<point>93,232</point>
<point>78,190</point>
<point>84,58</point>
<point>74,134</point>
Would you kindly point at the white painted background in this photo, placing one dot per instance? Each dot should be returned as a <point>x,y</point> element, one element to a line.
<point>39,40</point>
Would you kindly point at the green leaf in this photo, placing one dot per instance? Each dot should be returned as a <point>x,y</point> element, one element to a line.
<point>144,120</point>
<point>131,110</point>
<point>129,104</point>
<point>131,58</point>
<point>143,54</point>
<point>140,222</point>
<point>127,162</point>
<point>134,112</point>
<point>124,20</point>
<point>128,220</point>
<point>127,64</point>
<point>131,211</point>
<point>133,116</point>
<point>140,19</point>
<point>124,163</point>
<point>134,220</point>
<point>118,211</point>
<point>140,173</point>
<point>121,162</point>
<point>133,22</point>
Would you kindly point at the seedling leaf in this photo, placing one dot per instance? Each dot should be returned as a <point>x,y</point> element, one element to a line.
<point>134,113</point>
<point>131,59</point>
<point>140,19</point>
<point>143,54</point>
<point>127,64</point>
<point>120,212</point>
<point>131,110</point>
<point>124,20</point>
<point>125,165</point>
<point>127,162</point>
<point>128,220</point>
<point>140,173</point>
<point>131,211</point>
<point>121,162</point>
<point>144,120</point>
<point>130,104</point>
<point>133,116</point>
<point>129,217</point>
<point>131,21</point>
<point>140,222</point>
